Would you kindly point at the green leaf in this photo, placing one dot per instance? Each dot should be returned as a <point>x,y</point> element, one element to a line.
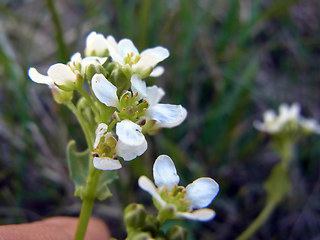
<point>106,178</point>
<point>78,164</point>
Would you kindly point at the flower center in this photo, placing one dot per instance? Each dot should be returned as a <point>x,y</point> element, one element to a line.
<point>176,197</point>
<point>131,107</point>
<point>131,59</point>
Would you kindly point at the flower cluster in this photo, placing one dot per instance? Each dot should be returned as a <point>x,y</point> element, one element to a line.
<point>107,92</point>
<point>115,72</point>
<point>182,201</point>
<point>288,120</point>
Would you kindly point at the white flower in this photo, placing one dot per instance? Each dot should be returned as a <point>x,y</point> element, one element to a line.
<point>104,163</point>
<point>196,195</point>
<point>58,74</point>
<point>125,53</point>
<point>287,114</point>
<point>80,64</point>
<point>96,44</point>
<point>273,123</point>
<point>165,115</point>
<point>131,143</point>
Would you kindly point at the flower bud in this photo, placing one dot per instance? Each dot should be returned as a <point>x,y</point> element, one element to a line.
<point>120,80</point>
<point>61,96</point>
<point>177,233</point>
<point>151,224</point>
<point>92,69</point>
<point>134,216</point>
<point>140,236</point>
<point>166,212</point>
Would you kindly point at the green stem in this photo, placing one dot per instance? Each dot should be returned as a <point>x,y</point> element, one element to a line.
<point>88,98</point>
<point>256,224</point>
<point>83,124</point>
<point>84,217</point>
<point>88,202</point>
<point>277,186</point>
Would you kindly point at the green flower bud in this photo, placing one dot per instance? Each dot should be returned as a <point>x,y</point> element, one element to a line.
<point>140,236</point>
<point>61,96</point>
<point>166,212</point>
<point>111,66</point>
<point>134,216</point>
<point>151,225</point>
<point>120,80</point>
<point>177,233</point>
<point>92,69</point>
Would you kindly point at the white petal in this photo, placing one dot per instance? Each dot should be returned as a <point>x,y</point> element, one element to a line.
<point>269,116</point>
<point>157,71</point>
<point>154,95</point>
<point>39,78</point>
<point>164,172</point>
<point>131,142</point>
<point>201,192</point>
<point>104,90</point>
<point>105,163</point>
<point>202,215</point>
<point>91,60</point>
<point>160,53</point>
<point>76,58</point>
<point>100,131</point>
<point>96,42</point>
<point>295,111</point>
<point>61,74</point>
<point>126,47</point>
<point>148,61</point>
<point>310,125</point>
<point>147,185</point>
<point>138,86</point>
<point>167,115</point>
<point>114,50</point>
<point>150,58</point>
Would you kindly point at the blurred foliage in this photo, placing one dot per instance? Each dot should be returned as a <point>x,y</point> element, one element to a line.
<point>229,61</point>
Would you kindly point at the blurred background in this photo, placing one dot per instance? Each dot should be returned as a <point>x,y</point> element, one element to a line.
<point>230,60</point>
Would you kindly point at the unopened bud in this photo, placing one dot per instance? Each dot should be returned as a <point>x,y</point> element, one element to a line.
<point>134,216</point>
<point>177,233</point>
<point>61,96</point>
<point>140,236</point>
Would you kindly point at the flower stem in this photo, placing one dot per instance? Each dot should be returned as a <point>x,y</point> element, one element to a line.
<point>88,98</point>
<point>88,202</point>
<point>83,124</point>
<point>256,224</point>
<point>277,186</point>
<point>84,217</point>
